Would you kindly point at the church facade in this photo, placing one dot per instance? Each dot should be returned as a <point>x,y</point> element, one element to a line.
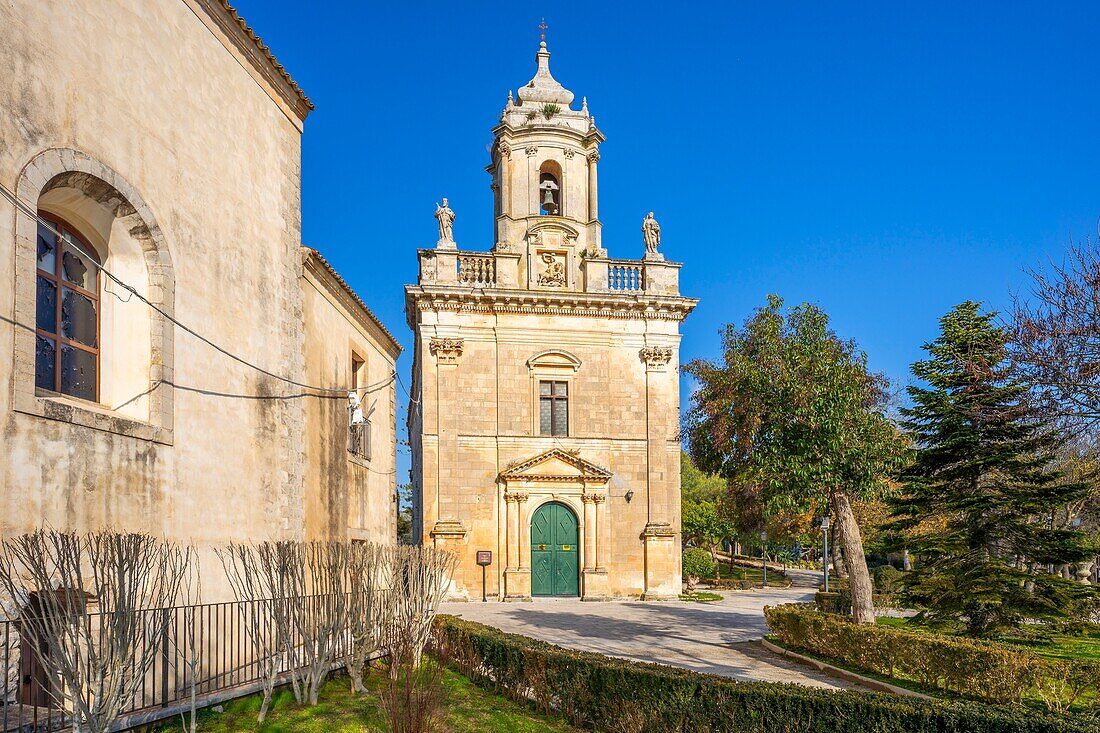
<point>545,420</point>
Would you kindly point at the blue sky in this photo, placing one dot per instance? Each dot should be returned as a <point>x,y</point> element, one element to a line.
<point>882,160</point>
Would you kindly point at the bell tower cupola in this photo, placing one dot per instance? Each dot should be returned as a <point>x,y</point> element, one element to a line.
<point>543,165</point>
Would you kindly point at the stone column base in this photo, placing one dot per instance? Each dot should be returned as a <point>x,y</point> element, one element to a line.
<point>595,586</point>
<point>517,585</point>
<point>450,535</point>
<point>662,574</point>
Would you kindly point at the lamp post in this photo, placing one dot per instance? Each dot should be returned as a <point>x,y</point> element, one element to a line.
<point>825,550</point>
<point>764,554</point>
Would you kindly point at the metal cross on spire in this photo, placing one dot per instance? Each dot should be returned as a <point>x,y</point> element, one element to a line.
<point>542,29</point>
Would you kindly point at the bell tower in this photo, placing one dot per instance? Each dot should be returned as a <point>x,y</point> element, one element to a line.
<point>544,158</point>
<point>545,433</point>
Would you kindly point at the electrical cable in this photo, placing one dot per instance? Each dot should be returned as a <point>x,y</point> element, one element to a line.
<point>8,194</point>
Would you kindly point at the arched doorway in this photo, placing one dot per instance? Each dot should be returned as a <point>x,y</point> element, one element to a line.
<point>554,540</point>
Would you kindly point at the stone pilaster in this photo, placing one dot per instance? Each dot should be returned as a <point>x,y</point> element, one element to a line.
<point>593,198</point>
<point>448,532</point>
<point>517,578</point>
<point>662,577</point>
<point>450,536</point>
<point>595,582</point>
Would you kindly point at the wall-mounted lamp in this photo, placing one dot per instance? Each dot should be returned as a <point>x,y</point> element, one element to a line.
<point>628,495</point>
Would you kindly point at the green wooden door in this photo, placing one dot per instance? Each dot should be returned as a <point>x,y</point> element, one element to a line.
<point>554,551</point>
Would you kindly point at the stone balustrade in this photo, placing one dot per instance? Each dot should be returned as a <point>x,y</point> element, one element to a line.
<point>501,270</point>
<point>625,275</point>
<point>479,270</point>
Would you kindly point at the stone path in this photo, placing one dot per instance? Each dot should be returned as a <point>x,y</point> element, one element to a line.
<point>718,638</point>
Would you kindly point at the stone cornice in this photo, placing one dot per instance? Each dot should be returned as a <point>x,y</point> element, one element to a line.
<point>252,47</point>
<point>497,300</point>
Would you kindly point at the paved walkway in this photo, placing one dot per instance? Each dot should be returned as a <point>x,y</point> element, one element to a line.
<point>718,638</point>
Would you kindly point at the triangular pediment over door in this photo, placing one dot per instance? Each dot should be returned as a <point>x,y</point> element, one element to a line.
<point>556,465</point>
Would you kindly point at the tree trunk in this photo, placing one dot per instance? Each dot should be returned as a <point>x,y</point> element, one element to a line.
<point>837,553</point>
<point>906,564</point>
<point>859,579</point>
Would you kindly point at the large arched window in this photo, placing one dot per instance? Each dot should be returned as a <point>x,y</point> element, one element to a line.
<point>67,311</point>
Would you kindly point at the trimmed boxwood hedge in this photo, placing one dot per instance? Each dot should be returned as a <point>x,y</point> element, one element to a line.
<point>982,670</point>
<point>606,694</point>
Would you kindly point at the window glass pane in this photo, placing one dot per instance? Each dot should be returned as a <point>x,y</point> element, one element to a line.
<point>78,376</point>
<point>46,248</point>
<point>545,427</point>
<point>78,269</point>
<point>46,318</point>
<point>561,417</point>
<point>559,388</point>
<point>45,364</point>
<point>544,388</point>
<point>78,320</point>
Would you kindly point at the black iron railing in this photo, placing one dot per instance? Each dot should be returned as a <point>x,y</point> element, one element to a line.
<point>359,439</point>
<point>209,648</point>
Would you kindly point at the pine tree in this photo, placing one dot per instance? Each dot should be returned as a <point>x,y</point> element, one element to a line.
<point>978,497</point>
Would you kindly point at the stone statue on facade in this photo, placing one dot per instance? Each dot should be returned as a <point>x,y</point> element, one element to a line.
<point>446,219</point>
<point>355,409</point>
<point>651,233</point>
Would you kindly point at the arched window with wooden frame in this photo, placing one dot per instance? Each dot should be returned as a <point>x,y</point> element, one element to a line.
<point>67,312</point>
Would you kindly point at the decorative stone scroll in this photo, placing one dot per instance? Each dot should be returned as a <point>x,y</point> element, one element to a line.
<point>656,356</point>
<point>446,350</point>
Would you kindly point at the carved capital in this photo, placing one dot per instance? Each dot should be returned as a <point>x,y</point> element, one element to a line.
<point>588,498</point>
<point>505,149</point>
<point>656,356</point>
<point>532,149</point>
<point>594,156</point>
<point>518,497</point>
<point>569,153</point>
<point>599,498</point>
<point>446,350</point>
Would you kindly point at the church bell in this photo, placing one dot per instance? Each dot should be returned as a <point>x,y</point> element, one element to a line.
<point>548,202</point>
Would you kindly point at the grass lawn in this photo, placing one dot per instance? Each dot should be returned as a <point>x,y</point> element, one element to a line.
<point>1054,646</point>
<point>466,709</point>
<point>743,573</point>
<point>701,597</point>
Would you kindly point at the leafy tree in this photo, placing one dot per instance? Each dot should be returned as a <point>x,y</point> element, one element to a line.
<point>404,514</point>
<point>696,485</point>
<point>982,466</point>
<point>793,420</point>
<point>697,565</point>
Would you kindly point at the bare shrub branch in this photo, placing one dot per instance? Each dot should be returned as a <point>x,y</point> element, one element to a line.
<point>89,603</point>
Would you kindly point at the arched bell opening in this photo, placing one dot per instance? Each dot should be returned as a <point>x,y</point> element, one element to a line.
<point>550,190</point>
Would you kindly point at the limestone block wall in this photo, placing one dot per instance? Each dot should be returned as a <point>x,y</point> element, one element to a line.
<point>346,496</point>
<point>490,397</point>
<point>151,95</point>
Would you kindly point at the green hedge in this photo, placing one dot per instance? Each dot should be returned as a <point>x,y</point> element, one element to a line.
<point>988,671</point>
<point>606,694</point>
